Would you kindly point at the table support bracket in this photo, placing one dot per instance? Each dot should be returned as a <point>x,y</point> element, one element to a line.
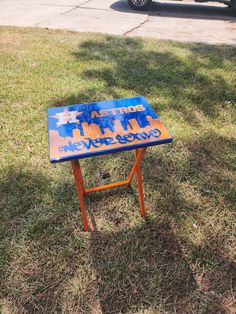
<point>82,191</point>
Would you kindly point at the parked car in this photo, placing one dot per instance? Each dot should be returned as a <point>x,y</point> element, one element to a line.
<point>145,4</point>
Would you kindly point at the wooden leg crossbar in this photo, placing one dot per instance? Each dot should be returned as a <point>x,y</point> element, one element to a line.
<point>82,191</point>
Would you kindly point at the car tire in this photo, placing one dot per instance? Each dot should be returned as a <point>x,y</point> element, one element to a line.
<point>233,6</point>
<point>140,4</point>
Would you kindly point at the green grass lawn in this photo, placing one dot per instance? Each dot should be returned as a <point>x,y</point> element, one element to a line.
<point>181,258</point>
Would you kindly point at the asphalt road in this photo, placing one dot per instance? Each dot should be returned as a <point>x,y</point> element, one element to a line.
<point>181,21</point>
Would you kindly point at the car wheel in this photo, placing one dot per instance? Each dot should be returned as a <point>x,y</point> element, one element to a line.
<point>140,4</point>
<point>233,6</point>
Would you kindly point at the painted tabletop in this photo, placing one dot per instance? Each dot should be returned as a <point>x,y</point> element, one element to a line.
<point>85,130</point>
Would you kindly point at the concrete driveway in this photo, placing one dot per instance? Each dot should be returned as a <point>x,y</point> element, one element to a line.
<point>181,21</point>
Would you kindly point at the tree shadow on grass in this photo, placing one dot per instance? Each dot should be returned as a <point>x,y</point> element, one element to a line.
<point>155,268</point>
<point>27,193</point>
<point>142,267</point>
<point>49,267</point>
<point>206,163</point>
<point>160,73</point>
<point>39,215</point>
<point>148,268</point>
<point>183,83</point>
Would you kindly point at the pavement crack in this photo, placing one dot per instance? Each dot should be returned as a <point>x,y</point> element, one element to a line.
<point>136,27</point>
<point>63,13</point>
<point>76,7</point>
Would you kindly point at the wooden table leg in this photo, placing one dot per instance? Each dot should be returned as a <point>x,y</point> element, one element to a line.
<point>140,186</point>
<point>80,190</point>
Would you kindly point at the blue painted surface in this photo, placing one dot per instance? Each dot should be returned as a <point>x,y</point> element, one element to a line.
<point>85,130</point>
